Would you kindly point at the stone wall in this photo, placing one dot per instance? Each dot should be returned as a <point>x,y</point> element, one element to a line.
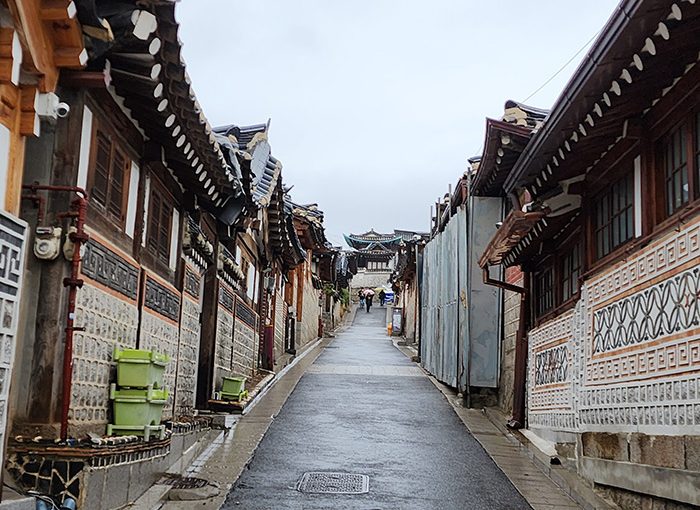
<point>190,334</point>
<point>280,317</point>
<point>511,319</point>
<point>106,306</point>
<point>408,302</point>
<point>223,356</point>
<point>160,334</point>
<point>110,322</point>
<point>245,339</point>
<point>307,327</point>
<point>370,279</point>
<point>625,363</point>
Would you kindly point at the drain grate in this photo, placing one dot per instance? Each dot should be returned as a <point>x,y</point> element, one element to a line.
<point>184,482</point>
<point>333,483</point>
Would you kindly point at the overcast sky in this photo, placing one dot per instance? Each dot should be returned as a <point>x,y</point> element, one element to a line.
<point>377,104</point>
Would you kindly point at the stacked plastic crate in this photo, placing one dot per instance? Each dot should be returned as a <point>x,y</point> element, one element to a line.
<point>138,403</point>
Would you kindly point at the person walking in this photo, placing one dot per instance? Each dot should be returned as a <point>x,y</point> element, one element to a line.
<point>382,297</point>
<point>361,295</point>
<point>368,300</point>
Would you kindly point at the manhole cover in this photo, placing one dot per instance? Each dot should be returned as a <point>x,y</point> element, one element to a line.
<point>184,482</point>
<point>333,483</point>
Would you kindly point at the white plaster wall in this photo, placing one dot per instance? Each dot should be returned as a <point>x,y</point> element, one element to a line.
<point>369,279</point>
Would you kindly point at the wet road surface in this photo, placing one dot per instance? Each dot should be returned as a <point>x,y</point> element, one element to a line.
<point>364,408</point>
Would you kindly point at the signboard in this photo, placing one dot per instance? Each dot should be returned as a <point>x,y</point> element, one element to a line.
<point>396,324</point>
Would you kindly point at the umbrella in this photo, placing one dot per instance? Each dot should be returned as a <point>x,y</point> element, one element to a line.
<point>369,292</point>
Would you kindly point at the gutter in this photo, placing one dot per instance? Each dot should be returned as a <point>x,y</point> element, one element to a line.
<point>517,420</point>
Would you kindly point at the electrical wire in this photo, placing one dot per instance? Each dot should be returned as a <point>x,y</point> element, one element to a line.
<point>564,66</point>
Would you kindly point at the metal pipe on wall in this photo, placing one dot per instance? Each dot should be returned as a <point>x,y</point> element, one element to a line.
<point>78,211</point>
<point>517,420</point>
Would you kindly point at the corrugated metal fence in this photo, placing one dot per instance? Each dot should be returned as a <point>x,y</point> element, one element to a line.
<point>460,316</point>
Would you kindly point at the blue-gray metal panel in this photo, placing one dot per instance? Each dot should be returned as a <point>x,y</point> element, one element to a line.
<point>463,317</point>
<point>484,300</point>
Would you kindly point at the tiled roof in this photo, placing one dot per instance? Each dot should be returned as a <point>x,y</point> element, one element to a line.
<point>148,75</point>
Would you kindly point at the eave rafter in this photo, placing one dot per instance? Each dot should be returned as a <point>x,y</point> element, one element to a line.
<point>51,38</point>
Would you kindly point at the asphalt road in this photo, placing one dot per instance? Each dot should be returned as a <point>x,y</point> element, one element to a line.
<point>364,408</point>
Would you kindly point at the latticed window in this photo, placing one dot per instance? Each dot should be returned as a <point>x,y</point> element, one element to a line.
<point>675,162</point>
<point>614,216</point>
<point>109,174</point>
<point>544,290</point>
<point>570,272</point>
<point>160,218</point>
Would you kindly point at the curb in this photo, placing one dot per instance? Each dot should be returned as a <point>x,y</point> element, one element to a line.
<point>568,482</point>
<point>156,496</point>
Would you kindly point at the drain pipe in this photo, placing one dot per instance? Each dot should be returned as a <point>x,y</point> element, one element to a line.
<point>517,420</point>
<point>78,210</point>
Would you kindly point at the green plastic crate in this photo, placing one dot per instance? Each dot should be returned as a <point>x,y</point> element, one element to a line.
<point>233,385</point>
<point>138,368</point>
<point>138,407</point>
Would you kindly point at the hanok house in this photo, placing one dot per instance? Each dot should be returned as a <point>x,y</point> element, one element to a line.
<point>122,197</point>
<point>266,247</point>
<point>375,258</point>
<point>305,294</point>
<point>606,229</point>
<point>405,283</point>
<point>37,42</point>
<point>504,141</point>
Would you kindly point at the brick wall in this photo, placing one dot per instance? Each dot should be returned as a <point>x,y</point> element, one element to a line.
<point>511,317</point>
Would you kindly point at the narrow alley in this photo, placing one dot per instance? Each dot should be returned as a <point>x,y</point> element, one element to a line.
<point>364,408</point>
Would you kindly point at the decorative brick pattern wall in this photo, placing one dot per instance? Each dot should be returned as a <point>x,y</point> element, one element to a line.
<point>550,402</point>
<point>633,345</point>
<point>110,322</point>
<point>245,340</point>
<point>12,246</point>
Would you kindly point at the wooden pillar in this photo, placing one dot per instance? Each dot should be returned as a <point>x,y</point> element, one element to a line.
<point>300,290</point>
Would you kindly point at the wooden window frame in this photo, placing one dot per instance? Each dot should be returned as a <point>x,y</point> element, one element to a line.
<point>115,147</point>
<point>164,199</point>
<point>538,277</point>
<point>569,276</point>
<point>614,212</point>
<point>555,264</point>
<point>680,137</point>
<point>690,122</point>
